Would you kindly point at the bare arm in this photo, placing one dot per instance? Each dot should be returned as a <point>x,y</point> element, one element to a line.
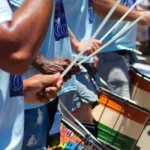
<point>56,65</point>
<point>78,46</point>
<point>21,38</point>
<point>102,7</point>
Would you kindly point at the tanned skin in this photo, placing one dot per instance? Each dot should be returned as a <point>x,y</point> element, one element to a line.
<point>102,7</point>
<point>46,66</point>
<point>21,38</point>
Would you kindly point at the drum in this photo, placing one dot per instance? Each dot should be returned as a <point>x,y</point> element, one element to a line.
<point>120,122</point>
<point>140,84</point>
<point>73,137</point>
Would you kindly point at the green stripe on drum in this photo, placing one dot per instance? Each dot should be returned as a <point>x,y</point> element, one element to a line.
<point>114,138</point>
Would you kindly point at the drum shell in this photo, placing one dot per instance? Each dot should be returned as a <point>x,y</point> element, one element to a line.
<point>119,124</point>
<point>72,137</point>
<point>140,88</point>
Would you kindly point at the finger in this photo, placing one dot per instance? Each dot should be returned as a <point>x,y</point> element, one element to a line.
<point>75,69</point>
<point>41,93</point>
<point>94,48</point>
<point>68,75</point>
<point>96,45</point>
<point>64,64</point>
<point>51,96</point>
<point>97,42</point>
<point>67,60</point>
<point>50,79</point>
<point>60,84</point>
<point>51,90</point>
<point>88,51</point>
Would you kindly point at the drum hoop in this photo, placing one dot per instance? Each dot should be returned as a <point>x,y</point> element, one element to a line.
<point>127,101</point>
<point>140,74</point>
<point>68,122</point>
<point>107,144</point>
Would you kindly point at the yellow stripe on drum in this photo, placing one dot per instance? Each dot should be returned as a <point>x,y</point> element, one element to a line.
<point>141,97</point>
<point>128,111</point>
<point>123,125</point>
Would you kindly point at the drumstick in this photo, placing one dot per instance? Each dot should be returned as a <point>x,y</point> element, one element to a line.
<point>121,19</point>
<point>77,121</point>
<point>113,39</point>
<point>93,37</point>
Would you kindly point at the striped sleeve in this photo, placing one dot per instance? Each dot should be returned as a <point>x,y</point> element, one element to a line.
<point>5,11</point>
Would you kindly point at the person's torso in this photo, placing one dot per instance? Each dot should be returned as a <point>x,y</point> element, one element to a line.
<point>11,111</point>
<point>126,41</point>
<point>80,15</point>
<point>56,44</point>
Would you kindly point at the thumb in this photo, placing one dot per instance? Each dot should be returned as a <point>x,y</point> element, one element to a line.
<point>51,79</point>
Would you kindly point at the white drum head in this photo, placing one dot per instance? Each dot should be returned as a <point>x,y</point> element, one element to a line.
<point>142,68</point>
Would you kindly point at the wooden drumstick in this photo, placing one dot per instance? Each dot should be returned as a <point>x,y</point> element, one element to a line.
<point>93,37</point>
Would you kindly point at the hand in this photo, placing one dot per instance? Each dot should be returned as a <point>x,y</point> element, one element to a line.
<point>57,65</point>
<point>96,60</point>
<point>145,21</point>
<point>41,88</point>
<point>92,47</point>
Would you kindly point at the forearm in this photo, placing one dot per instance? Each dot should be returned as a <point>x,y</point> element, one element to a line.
<point>102,7</point>
<point>22,37</point>
<point>74,42</point>
<point>39,62</point>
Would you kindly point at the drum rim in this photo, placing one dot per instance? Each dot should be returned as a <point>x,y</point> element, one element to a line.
<point>68,122</point>
<point>119,98</point>
<point>139,73</point>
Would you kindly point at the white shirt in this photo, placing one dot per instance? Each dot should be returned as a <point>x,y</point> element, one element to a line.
<point>11,100</point>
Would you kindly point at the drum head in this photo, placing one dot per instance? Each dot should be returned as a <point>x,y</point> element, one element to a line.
<point>143,69</point>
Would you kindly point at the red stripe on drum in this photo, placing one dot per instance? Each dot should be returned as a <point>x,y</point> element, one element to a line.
<point>139,81</point>
<point>126,110</point>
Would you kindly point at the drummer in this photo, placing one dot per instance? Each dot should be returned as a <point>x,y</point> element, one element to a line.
<point>16,54</point>
<point>115,58</point>
<point>56,45</point>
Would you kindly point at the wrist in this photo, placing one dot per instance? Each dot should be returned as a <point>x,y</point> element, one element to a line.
<point>75,44</point>
<point>39,62</point>
<point>144,20</point>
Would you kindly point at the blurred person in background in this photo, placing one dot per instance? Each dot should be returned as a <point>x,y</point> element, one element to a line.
<point>114,60</point>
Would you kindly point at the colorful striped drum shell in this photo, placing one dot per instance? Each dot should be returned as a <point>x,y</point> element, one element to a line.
<point>119,124</point>
<point>72,138</point>
<point>140,88</point>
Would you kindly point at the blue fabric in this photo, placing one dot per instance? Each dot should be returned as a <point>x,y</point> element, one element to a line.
<point>56,124</point>
<point>11,111</point>
<point>52,47</point>
<point>11,100</point>
<point>125,41</point>
<point>80,17</point>
<point>35,131</point>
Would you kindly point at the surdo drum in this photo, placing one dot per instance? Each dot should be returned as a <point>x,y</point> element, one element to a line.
<point>140,84</point>
<point>120,122</point>
<point>72,137</point>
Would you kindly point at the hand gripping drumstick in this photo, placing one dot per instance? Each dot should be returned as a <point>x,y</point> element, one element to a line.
<point>93,37</point>
<point>114,38</point>
<point>137,2</point>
